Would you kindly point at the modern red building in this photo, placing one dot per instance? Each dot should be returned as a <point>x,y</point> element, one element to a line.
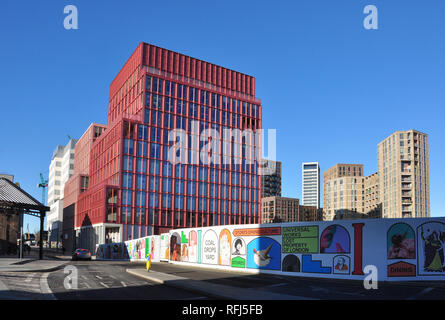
<point>134,190</point>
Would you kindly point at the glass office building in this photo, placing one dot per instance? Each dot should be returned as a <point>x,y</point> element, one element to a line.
<point>134,188</point>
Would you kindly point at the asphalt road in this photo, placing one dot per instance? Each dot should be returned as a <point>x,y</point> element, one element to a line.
<point>311,287</point>
<point>108,280</point>
<point>105,280</point>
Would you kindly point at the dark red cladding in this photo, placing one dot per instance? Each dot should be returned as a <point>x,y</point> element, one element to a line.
<point>102,202</point>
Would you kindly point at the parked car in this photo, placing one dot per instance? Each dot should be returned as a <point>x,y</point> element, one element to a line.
<point>81,254</point>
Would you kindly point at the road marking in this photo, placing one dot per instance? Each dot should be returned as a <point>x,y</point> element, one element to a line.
<point>100,278</point>
<point>84,278</point>
<point>106,286</point>
<point>44,287</point>
<point>123,284</point>
<point>424,291</point>
<point>30,277</point>
<point>3,286</point>
<point>319,289</point>
<point>276,285</point>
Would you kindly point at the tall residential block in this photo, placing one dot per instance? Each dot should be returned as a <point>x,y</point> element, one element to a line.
<point>343,190</point>
<point>311,184</point>
<point>271,179</point>
<point>403,169</point>
<point>281,209</point>
<point>61,169</point>
<point>372,206</point>
<point>134,190</point>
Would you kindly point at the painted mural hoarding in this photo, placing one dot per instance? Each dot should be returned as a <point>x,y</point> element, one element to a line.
<point>133,250</point>
<point>401,249</point>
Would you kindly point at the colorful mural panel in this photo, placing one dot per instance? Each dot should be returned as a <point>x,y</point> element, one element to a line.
<point>193,246</point>
<point>401,242</point>
<point>291,263</point>
<point>409,249</point>
<point>210,247</point>
<point>300,239</point>
<point>264,253</point>
<point>313,266</point>
<point>175,247</point>
<point>225,240</point>
<point>341,265</point>
<point>430,245</point>
<point>335,239</point>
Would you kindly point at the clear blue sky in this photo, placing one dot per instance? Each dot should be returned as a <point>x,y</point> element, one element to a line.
<point>326,83</point>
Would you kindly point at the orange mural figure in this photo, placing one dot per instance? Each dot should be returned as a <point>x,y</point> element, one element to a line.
<point>225,240</point>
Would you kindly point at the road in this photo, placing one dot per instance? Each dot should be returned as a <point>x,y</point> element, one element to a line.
<point>108,280</point>
<point>310,287</point>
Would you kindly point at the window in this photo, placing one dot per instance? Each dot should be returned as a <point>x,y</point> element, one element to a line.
<point>157,85</point>
<point>141,182</point>
<point>126,197</point>
<point>142,132</point>
<point>169,88</point>
<point>147,99</point>
<point>148,83</point>
<point>155,150</point>
<point>128,163</point>
<point>157,101</point>
<point>181,91</point>
<point>128,146</point>
<point>193,94</point>
<point>169,104</point>
<point>141,165</point>
<point>205,97</point>
<point>127,180</point>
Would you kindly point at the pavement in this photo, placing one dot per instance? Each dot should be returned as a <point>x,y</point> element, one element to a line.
<point>30,265</point>
<point>213,290</point>
<point>52,260</point>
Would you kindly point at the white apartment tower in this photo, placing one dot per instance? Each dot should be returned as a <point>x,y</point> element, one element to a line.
<point>311,184</point>
<point>61,169</point>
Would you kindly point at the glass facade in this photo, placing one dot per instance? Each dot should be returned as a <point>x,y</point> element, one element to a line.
<point>155,192</point>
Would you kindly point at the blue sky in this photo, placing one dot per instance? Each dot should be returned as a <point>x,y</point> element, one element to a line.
<point>326,83</point>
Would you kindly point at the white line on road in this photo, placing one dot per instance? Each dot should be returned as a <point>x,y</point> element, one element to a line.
<point>123,284</point>
<point>44,287</point>
<point>106,286</point>
<point>30,277</point>
<point>3,286</point>
<point>275,285</point>
<point>100,278</point>
<point>424,291</point>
